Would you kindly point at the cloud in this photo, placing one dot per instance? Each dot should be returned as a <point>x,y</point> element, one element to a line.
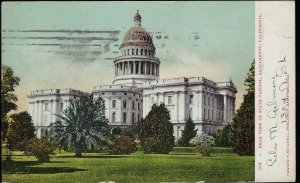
<point>184,63</point>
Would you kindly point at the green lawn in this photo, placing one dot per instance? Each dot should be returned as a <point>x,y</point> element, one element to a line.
<point>181,165</point>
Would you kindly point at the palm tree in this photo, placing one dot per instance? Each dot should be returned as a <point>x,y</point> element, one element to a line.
<point>82,126</point>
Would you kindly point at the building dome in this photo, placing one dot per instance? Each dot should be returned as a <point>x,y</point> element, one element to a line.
<point>138,63</point>
<point>137,35</point>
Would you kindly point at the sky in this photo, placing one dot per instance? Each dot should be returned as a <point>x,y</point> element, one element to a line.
<point>73,44</point>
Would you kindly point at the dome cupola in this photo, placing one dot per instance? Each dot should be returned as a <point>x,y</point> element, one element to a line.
<point>138,63</point>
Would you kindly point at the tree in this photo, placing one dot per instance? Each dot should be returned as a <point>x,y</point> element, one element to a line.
<point>20,132</point>
<point>82,126</point>
<point>156,131</point>
<point>222,137</point>
<point>242,139</point>
<point>8,98</point>
<point>187,133</point>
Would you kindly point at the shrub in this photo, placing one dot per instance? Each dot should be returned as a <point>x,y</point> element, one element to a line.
<point>156,131</point>
<point>123,145</point>
<point>203,144</point>
<point>41,149</point>
<point>187,133</point>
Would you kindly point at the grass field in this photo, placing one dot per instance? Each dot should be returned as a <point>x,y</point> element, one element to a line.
<point>181,165</point>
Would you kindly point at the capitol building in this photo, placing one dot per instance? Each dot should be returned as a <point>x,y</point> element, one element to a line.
<point>137,86</point>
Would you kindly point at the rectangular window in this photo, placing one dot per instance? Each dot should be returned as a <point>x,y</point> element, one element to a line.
<point>124,104</point>
<point>208,101</point>
<point>191,113</point>
<point>138,106</point>
<point>204,113</point>
<point>46,107</point>
<point>191,99</point>
<point>113,117</point>
<point>132,118</point>
<point>124,117</point>
<point>204,99</point>
<point>169,100</point>
<point>132,104</point>
<point>208,115</point>
<point>113,103</point>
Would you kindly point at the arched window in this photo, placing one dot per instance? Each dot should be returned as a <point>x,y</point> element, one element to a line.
<point>142,51</point>
<point>132,52</point>
<point>113,117</point>
<point>132,104</point>
<point>145,51</point>
<point>137,51</point>
<point>127,51</point>
<point>149,52</point>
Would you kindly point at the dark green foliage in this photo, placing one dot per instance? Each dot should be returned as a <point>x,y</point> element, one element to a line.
<point>222,137</point>
<point>156,131</point>
<point>123,145</point>
<point>243,123</point>
<point>188,133</point>
<point>82,126</point>
<point>41,149</point>
<point>116,131</point>
<point>20,132</point>
<point>8,98</point>
<point>130,131</point>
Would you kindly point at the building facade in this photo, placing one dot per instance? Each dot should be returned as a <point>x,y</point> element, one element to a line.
<point>137,86</point>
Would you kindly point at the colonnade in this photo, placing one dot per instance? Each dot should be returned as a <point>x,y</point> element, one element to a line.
<point>136,67</point>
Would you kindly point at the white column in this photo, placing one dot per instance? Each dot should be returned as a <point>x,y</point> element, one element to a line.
<point>55,103</point>
<point>40,117</point>
<point>51,111</point>
<point>201,106</point>
<point>225,109</point>
<point>150,64</point>
<point>146,67</point>
<point>176,106</point>
<point>36,113</point>
<point>134,67</point>
<point>197,106</point>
